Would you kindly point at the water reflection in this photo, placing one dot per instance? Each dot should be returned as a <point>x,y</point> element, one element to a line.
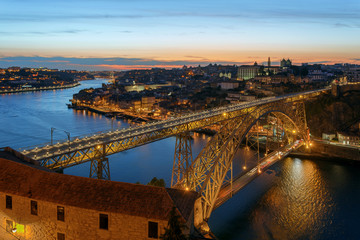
<point>299,205</point>
<point>295,199</point>
<point>300,201</point>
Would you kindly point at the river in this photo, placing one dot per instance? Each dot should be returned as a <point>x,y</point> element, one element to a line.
<point>295,199</point>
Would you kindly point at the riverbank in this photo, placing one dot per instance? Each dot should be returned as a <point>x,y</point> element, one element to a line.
<point>322,157</point>
<point>114,114</point>
<point>4,91</point>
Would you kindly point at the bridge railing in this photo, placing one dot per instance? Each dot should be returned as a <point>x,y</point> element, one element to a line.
<point>167,123</point>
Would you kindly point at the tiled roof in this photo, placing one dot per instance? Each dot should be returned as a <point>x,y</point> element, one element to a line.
<point>106,196</point>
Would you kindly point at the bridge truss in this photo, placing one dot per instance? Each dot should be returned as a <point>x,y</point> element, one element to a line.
<point>208,169</point>
<point>208,172</point>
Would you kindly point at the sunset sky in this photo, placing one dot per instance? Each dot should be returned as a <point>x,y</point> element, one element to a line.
<point>125,34</point>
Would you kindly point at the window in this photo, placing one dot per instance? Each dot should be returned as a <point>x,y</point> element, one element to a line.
<point>153,230</point>
<point>104,221</point>
<point>60,236</point>
<point>8,202</point>
<point>60,213</point>
<point>34,207</point>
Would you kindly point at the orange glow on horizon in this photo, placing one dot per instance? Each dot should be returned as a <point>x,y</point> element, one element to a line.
<point>176,58</point>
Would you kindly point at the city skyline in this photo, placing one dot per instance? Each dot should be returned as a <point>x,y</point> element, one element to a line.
<point>121,35</point>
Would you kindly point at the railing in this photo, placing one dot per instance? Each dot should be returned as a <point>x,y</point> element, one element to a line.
<point>185,118</point>
<point>106,137</point>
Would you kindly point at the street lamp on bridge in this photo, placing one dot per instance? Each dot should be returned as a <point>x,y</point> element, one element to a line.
<point>68,135</point>
<point>52,133</point>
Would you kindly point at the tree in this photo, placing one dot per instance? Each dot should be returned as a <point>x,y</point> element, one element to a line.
<point>157,182</point>
<point>174,229</point>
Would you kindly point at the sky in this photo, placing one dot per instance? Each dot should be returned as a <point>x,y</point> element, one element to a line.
<point>126,34</point>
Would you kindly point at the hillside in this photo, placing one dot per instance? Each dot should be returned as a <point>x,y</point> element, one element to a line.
<point>329,114</point>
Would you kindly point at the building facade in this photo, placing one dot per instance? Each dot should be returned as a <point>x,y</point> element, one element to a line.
<point>35,204</point>
<point>247,72</point>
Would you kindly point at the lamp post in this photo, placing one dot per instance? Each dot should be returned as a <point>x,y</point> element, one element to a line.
<point>68,135</point>
<point>52,133</point>
<point>112,124</point>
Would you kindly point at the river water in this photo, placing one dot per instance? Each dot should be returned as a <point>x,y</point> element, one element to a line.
<point>295,199</point>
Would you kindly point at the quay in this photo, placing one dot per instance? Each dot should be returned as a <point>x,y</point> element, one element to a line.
<point>4,91</point>
<point>327,150</point>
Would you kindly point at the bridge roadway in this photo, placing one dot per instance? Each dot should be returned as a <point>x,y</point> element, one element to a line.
<point>240,182</point>
<point>82,149</point>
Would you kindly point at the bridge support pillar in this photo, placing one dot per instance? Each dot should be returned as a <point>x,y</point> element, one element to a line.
<point>182,160</point>
<point>100,167</point>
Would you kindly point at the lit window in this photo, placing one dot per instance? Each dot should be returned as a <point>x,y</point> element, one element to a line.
<point>153,230</point>
<point>60,213</point>
<point>8,202</point>
<point>20,228</point>
<point>60,236</point>
<point>34,207</point>
<point>104,221</point>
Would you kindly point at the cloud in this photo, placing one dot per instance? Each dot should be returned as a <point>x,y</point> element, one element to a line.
<point>344,25</point>
<point>122,63</point>
<point>320,62</point>
<point>71,31</point>
<point>253,14</point>
<point>125,67</point>
<point>103,63</point>
<point>62,17</point>
<point>125,31</point>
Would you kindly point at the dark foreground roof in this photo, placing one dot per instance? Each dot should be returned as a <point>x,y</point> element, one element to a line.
<point>107,196</point>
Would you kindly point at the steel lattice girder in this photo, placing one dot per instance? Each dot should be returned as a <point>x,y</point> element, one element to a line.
<point>209,169</point>
<point>99,168</point>
<point>182,158</point>
<point>61,157</point>
<point>83,154</point>
<point>89,153</point>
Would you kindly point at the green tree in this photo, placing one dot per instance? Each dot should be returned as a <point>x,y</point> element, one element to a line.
<point>174,229</point>
<point>157,182</point>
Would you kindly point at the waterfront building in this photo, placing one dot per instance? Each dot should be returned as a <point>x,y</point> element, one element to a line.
<point>348,138</point>
<point>147,103</point>
<point>328,136</point>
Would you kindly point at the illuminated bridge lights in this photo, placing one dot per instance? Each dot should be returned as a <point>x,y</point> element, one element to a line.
<point>77,151</point>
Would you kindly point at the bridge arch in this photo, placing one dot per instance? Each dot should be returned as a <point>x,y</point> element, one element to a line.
<point>208,171</point>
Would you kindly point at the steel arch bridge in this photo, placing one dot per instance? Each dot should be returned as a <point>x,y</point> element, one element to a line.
<point>207,173</point>
<point>96,147</point>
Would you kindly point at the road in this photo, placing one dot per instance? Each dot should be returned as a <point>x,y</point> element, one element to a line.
<point>238,183</point>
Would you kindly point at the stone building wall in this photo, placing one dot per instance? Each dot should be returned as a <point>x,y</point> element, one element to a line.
<point>79,223</point>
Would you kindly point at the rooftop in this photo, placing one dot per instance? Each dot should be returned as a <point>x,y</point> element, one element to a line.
<point>101,195</point>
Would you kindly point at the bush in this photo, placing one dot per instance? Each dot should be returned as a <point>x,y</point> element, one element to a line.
<point>157,182</point>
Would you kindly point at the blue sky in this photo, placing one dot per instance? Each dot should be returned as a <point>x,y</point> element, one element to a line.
<point>148,32</point>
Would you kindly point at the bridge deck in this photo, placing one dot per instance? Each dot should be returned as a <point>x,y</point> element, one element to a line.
<point>79,150</point>
<point>241,181</point>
